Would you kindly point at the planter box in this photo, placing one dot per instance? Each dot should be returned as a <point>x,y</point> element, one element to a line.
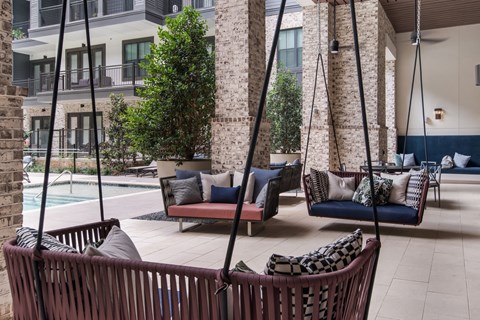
<point>166,168</point>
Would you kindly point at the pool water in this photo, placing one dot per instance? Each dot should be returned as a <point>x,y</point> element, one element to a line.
<point>59,194</point>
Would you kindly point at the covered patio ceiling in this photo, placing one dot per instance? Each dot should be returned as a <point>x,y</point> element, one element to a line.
<point>434,13</point>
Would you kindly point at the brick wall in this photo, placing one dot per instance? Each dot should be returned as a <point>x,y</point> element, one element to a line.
<point>341,73</point>
<point>239,69</point>
<point>11,154</point>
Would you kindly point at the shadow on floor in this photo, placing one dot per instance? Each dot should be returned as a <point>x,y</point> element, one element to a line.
<point>402,231</point>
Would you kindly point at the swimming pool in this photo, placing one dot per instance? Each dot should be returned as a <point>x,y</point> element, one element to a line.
<point>59,194</point>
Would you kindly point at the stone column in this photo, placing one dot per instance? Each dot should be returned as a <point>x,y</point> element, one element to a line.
<point>239,69</point>
<point>11,151</point>
<point>373,25</point>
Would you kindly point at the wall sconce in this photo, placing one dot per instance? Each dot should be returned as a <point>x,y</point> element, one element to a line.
<point>83,45</point>
<point>43,109</point>
<point>45,57</point>
<point>477,74</point>
<point>82,105</point>
<point>439,113</point>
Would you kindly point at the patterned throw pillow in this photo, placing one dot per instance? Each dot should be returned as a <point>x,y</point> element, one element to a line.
<point>27,238</point>
<point>332,257</point>
<point>414,187</point>
<point>319,185</point>
<point>382,188</point>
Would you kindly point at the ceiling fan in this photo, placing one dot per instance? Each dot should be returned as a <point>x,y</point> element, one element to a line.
<point>417,34</point>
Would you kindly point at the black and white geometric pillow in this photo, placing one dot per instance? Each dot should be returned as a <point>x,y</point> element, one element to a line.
<point>319,185</point>
<point>27,238</point>
<point>414,187</point>
<point>332,257</point>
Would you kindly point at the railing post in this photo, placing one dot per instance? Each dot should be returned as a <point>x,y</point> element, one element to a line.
<point>74,158</point>
<point>133,74</point>
<point>100,76</point>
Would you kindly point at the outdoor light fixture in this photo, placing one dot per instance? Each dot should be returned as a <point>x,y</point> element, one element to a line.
<point>174,8</point>
<point>413,38</point>
<point>477,75</point>
<point>438,113</point>
<point>334,42</point>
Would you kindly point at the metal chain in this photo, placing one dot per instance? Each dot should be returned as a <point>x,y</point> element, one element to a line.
<point>418,20</point>
<point>319,28</point>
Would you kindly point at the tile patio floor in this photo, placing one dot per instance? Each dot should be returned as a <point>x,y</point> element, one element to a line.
<point>427,272</point>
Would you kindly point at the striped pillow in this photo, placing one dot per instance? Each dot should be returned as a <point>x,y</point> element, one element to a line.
<point>414,187</point>
<point>319,185</point>
<point>27,238</point>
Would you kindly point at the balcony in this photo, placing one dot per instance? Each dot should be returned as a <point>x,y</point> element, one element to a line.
<point>51,14</point>
<point>20,30</point>
<point>175,6</point>
<point>108,77</point>
<point>77,12</point>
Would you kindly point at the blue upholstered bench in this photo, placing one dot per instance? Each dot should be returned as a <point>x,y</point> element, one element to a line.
<point>440,146</point>
<point>389,213</point>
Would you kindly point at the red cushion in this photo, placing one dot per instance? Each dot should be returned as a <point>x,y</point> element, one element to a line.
<point>218,211</point>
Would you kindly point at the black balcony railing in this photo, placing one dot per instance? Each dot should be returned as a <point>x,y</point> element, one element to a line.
<point>20,30</point>
<point>175,6</point>
<point>63,141</point>
<point>50,15</point>
<point>105,77</point>
<point>77,10</point>
<point>116,6</point>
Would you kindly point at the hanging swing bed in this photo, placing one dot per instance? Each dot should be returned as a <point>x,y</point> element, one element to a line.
<point>407,210</point>
<point>48,281</point>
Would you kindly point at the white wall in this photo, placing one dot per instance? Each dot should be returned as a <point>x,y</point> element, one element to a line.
<point>448,79</point>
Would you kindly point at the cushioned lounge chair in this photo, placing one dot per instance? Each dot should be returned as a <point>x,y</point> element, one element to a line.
<point>140,170</point>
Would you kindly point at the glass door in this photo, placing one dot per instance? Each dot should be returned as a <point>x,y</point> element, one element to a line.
<point>39,134</point>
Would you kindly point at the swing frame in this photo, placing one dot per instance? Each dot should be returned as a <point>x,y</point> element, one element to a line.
<point>55,285</point>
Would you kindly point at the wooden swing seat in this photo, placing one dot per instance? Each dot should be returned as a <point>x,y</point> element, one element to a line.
<point>77,286</point>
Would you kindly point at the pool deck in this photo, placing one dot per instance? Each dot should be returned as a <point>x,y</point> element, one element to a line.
<point>428,272</point>
<point>120,207</point>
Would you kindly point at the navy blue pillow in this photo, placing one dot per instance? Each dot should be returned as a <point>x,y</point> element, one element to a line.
<point>225,194</point>
<point>186,174</point>
<point>278,164</point>
<point>261,178</point>
<point>296,162</point>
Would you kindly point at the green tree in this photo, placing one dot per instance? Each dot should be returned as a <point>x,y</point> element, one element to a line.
<point>117,150</point>
<point>284,110</point>
<point>178,99</point>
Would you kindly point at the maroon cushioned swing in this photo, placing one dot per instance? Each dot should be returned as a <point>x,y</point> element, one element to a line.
<point>55,285</point>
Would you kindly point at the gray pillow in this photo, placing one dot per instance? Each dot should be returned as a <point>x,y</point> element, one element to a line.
<point>340,188</point>
<point>460,160</point>
<point>186,191</point>
<point>409,160</point>
<point>260,201</point>
<point>117,244</point>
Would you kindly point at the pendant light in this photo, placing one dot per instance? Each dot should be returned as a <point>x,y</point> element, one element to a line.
<point>334,43</point>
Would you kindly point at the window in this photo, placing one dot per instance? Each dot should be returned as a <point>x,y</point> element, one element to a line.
<point>134,52</point>
<point>77,64</point>
<point>39,134</point>
<point>290,51</point>
<point>80,130</point>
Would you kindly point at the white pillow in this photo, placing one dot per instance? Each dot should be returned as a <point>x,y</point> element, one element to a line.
<point>209,180</point>
<point>237,181</point>
<point>399,189</point>
<point>340,188</point>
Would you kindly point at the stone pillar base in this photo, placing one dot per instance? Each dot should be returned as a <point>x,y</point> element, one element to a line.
<point>231,140</point>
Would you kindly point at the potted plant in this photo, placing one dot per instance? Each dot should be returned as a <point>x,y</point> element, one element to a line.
<point>172,120</point>
<point>284,110</point>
